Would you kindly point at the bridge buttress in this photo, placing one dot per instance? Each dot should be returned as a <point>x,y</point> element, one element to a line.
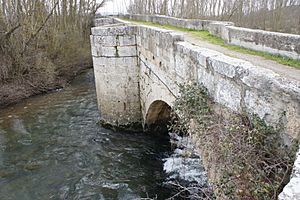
<point>116,75</point>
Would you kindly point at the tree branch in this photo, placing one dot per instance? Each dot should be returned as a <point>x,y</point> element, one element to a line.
<point>40,28</point>
<point>10,32</point>
<point>99,6</point>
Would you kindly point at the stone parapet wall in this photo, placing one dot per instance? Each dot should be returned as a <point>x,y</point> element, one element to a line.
<point>109,22</point>
<point>271,42</point>
<point>173,21</point>
<point>104,21</point>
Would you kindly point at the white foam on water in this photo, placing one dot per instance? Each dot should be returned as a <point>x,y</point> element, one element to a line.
<point>184,163</point>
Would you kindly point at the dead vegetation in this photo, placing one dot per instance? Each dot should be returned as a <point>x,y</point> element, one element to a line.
<point>271,15</point>
<point>43,44</point>
<point>245,158</point>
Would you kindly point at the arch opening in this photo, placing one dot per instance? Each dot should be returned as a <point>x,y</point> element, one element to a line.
<point>158,117</point>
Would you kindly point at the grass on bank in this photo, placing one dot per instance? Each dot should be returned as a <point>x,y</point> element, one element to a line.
<point>206,36</point>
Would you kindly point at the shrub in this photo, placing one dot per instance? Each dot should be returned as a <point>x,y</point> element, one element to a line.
<point>251,160</point>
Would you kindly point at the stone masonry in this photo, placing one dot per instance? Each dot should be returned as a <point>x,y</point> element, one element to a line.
<point>116,74</point>
<point>138,65</point>
<point>271,42</point>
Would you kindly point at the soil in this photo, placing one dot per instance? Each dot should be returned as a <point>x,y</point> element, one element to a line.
<point>17,90</point>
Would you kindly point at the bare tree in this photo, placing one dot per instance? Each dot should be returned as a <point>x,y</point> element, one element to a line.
<point>29,28</point>
<point>276,15</point>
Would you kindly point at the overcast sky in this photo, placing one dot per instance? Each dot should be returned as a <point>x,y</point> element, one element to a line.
<point>115,6</point>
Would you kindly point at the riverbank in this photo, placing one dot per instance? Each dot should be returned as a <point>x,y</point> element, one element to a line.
<point>39,83</point>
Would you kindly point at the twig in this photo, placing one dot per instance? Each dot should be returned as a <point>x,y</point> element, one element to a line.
<point>11,31</point>
<point>188,189</point>
<point>40,28</point>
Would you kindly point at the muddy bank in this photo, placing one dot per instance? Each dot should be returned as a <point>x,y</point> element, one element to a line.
<point>37,83</point>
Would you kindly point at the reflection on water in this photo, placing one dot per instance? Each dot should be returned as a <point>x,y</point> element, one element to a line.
<point>52,148</point>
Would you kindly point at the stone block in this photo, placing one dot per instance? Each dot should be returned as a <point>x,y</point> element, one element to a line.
<point>105,41</point>
<point>207,79</point>
<point>117,51</point>
<point>259,103</point>
<point>117,30</point>
<point>127,40</point>
<point>259,78</point>
<point>138,40</point>
<point>228,94</point>
<point>123,51</point>
<point>106,52</point>
<point>204,54</point>
<point>104,21</point>
<point>225,65</point>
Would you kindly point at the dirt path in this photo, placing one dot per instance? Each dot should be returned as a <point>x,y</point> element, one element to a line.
<point>286,71</point>
<point>283,70</point>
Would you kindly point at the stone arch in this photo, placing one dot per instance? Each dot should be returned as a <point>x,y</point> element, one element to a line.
<point>158,117</point>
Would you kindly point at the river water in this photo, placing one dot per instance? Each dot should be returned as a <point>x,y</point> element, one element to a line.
<point>51,147</point>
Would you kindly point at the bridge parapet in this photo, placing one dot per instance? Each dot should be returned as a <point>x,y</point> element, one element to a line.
<point>283,44</point>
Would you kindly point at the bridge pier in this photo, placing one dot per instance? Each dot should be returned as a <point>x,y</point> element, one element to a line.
<point>117,76</point>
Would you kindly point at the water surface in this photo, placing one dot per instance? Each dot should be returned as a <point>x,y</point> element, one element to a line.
<point>51,147</point>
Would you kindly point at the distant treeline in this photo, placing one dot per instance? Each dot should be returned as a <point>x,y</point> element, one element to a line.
<point>42,44</point>
<point>273,15</point>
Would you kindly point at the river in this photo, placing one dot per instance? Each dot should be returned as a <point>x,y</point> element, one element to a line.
<point>51,147</point>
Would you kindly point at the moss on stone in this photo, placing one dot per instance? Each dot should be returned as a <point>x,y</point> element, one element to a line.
<point>130,127</point>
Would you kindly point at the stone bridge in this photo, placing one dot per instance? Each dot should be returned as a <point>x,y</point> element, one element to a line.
<point>138,70</point>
